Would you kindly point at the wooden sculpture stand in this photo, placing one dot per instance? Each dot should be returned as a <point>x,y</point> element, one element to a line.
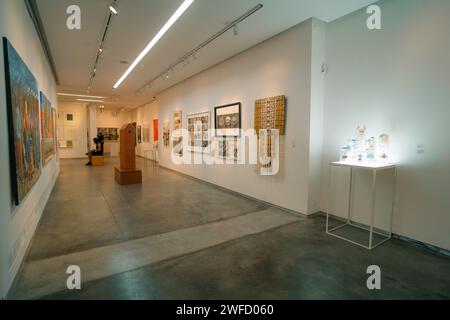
<point>127,172</point>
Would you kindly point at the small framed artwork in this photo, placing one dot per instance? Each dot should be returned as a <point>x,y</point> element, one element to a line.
<point>177,120</point>
<point>228,120</point>
<point>166,133</point>
<point>177,145</point>
<point>198,132</point>
<point>145,134</point>
<point>139,134</point>
<point>111,134</point>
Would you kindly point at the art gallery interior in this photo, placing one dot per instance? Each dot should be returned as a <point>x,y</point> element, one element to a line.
<point>251,149</point>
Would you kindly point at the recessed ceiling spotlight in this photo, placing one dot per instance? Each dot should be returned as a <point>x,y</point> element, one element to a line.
<point>113,8</point>
<point>184,6</point>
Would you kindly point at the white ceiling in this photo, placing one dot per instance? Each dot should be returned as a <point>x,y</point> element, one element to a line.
<point>74,51</point>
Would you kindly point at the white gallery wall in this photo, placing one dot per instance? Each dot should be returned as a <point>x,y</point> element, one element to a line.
<point>395,80</point>
<point>144,116</point>
<point>73,130</point>
<point>278,66</point>
<point>109,118</point>
<point>17,224</point>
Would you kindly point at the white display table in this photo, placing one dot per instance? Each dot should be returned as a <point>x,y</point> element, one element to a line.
<point>374,167</point>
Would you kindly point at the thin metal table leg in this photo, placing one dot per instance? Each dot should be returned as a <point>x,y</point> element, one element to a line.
<point>327,197</point>
<point>374,181</point>
<point>350,192</point>
<point>394,195</point>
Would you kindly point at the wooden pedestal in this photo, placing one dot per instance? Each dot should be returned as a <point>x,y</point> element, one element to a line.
<point>97,161</point>
<point>124,177</point>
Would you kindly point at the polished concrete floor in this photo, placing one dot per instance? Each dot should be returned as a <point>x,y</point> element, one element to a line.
<point>177,238</point>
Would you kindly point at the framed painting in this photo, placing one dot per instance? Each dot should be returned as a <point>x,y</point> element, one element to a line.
<point>228,120</point>
<point>166,133</point>
<point>139,134</point>
<point>145,134</point>
<point>155,130</point>
<point>110,134</point>
<point>177,120</point>
<point>23,123</point>
<point>198,132</point>
<point>177,145</point>
<point>55,130</point>
<point>47,130</point>
<point>270,113</point>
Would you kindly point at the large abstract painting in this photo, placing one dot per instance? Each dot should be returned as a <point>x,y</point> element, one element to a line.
<point>47,130</point>
<point>23,123</point>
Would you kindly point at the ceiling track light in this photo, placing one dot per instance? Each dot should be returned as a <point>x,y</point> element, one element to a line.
<point>235,30</point>
<point>184,6</point>
<point>193,53</point>
<point>113,8</point>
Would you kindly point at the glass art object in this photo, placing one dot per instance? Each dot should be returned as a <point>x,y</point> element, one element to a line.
<point>361,130</point>
<point>346,151</point>
<point>370,149</point>
<point>384,147</point>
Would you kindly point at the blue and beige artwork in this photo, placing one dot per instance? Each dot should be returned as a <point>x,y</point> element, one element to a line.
<point>23,112</point>
<point>47,130</point>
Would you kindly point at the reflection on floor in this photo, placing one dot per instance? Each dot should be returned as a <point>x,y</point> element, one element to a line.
<point>177,238</point>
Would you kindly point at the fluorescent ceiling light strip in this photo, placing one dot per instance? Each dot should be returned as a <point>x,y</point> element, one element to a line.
<point>158,36</point>
<point>79,95</point>
<point>88,100</point>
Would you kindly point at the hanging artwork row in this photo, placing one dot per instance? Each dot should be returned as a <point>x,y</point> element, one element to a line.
<point>23,123</point>
<point>269,124</point>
